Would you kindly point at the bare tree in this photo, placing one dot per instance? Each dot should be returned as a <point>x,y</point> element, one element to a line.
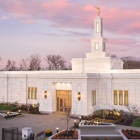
<point>114,56</point>
<point>70,67</point>
<point>131,62</point>
<point>34,62</point>
<point>134,110</point>
<point>10,65</point>
<point>55,62</point>
<point>67,111</point>
<point>23,64</point>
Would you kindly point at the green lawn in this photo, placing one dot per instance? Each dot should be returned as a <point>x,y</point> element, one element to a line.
<point>136,123</point>
<point>7,107</point>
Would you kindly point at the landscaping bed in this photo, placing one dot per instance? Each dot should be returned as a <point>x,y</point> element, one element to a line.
<point>93,123</point>
<point>72,134</point>
<point>131,134</point>
<point>108,116</point>
<point>8,114</point>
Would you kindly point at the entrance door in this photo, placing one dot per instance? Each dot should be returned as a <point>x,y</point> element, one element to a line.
<point>63,100</point>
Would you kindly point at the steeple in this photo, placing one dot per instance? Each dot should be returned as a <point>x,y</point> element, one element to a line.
<point>98,27</point>
<point>98,42</point>
<point>98,60</point>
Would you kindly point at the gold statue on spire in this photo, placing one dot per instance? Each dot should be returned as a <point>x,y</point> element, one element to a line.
<point>98,8</point>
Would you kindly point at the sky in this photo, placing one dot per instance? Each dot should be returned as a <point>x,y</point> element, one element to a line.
<point>64,27</point>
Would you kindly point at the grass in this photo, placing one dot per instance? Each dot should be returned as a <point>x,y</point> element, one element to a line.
<point>136,123</point>
<point>8,107</point>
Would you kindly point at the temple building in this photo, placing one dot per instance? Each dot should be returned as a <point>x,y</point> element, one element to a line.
<point>95,82</point>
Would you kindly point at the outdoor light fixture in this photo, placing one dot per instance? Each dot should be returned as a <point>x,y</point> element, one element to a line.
<point>8,114</point>
<point>79,96</point>
<point>79,119</point>
<point>75,123</point>
<point>57,130</point>
<point>45,94</point>
<point>19,111</point>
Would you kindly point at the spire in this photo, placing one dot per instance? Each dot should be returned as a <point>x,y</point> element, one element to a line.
<point>98,27</point>
<point>98,41</point>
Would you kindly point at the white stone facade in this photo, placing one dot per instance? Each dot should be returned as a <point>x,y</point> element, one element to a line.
<point>97,72</point>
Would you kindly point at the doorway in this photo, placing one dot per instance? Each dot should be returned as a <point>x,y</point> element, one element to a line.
<point>63,100</point>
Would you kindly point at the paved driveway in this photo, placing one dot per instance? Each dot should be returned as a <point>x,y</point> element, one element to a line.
<point>42,122</point>
<point>38,123</point>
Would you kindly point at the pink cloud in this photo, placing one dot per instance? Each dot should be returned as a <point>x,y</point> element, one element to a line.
<point>85,39</point>
<point>133,28</point>
<point>4,18</point>
<point>80,40</point>
<point>65,14</point>
<point>28,21</point>
<point>125,42</point>
<point>57,4</point>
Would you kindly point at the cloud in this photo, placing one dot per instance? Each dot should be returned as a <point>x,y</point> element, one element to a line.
<point>80,40</point>
<point>4,18</point>
<point>118,18</point>
<point>28,21</point>
<point>122,41</point>
<point>75,33</point>
<point>133,28</point>
<point>50,34</point>
<point>65,33</point>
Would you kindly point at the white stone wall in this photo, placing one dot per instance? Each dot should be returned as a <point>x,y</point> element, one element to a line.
<point>3,88</point>
<point>79,107</point>
<point>14,86</point>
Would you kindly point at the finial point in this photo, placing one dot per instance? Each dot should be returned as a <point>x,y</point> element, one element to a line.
<point>98,8</point>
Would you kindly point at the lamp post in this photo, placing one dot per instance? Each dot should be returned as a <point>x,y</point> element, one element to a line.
<point>57,130</point>
<point>8,114</point>
<point>79,119</point>
<point>75,123</point>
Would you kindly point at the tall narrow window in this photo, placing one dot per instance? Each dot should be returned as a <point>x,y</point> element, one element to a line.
<point>29,94</point>
<point>120,97</point>
<point>126,97</point>
<point>32,96</point>
<point>104,47</point>
<point>36,93</point>
<point>115,97</point>
<point>96,46</point>
<point>101,28</point>
<point>97,27</point>
<point>94,97</point>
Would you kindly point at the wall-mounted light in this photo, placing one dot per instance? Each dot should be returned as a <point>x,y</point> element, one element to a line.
<point>79,96</point>
<point>45,94</point>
